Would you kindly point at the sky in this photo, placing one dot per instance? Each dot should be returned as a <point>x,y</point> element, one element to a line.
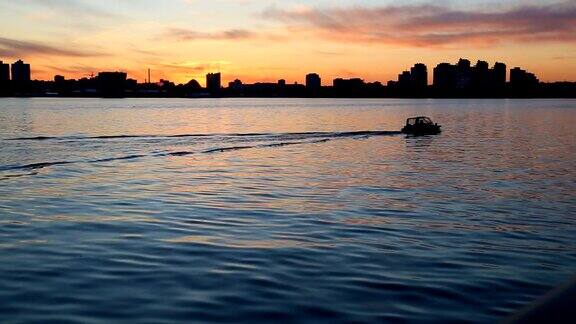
<point>257,40</point>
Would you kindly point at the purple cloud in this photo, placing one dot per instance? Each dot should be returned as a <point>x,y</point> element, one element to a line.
<point>434,25</point>
<point>18,48</point>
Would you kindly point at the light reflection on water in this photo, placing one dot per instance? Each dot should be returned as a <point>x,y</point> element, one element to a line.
<point>475,222</point>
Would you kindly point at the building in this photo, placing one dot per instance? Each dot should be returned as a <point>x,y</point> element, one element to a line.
<point>4,72</point>
<point>463,74</point>
<point>112,84</point>
<point>522,79</point>
<point>348,84</point>
<point>235,85</point>
<point>404,80</point>
<point>419,76</point>
<point>415,80</point>
<point>499,75</point>
<point>480,79</point>
<point>214,82</point>
<point>313,81</point>
<point>20,71</point>
<point>481,76</point>
<point>444,76</point>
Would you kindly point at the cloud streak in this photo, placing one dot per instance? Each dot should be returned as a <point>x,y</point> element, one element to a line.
<point>182,34</point>
<point>433,25</point>
<point>17,48</point>
<point>77,7</point>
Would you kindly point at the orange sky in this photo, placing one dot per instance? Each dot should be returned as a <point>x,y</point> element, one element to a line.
<point>256,40</point>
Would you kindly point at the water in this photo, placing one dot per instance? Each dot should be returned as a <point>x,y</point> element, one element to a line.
<point>265,210</point>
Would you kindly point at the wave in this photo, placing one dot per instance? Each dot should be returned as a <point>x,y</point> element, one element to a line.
<point>128,157</point>
<point>33,166</point>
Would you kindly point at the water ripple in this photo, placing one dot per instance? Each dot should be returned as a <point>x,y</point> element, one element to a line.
<point>181,210</point>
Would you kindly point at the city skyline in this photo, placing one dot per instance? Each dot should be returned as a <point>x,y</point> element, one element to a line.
<point>417,76</point>
<point>253,39</point>
<point>464,79</point>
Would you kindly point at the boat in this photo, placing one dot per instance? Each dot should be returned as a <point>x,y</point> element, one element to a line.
<point>421,126</point>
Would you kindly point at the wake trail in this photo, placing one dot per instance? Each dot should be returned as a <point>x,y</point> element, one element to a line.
<point>274,135</point>
<point>279,140</point>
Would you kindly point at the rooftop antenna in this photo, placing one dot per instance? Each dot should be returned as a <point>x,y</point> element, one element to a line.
<point>149,81</point>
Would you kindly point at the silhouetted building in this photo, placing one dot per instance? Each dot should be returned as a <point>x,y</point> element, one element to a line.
<point>59,79</point>
<point>4,72</point>
<point>112,84</point>
<point>20,71</point>
<point>444,77</point>
<point>464,64</point>
<point>462,79</point>
<point>419,76</point>
<point>404,80</point>
<point>313,81</point>
<point>481,80</point>
<point>235,85</point>
<point>463,74</point>
<point>351,84</point>
<point>214,82</point>
<point>354,87</point>
<point>282,83</point>
<point>482,66</point>
<point>499,75</point>
<point>521,79</point>
<point>410,83</point>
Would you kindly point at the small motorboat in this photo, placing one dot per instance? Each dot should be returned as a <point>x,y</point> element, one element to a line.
<point>421,126</point>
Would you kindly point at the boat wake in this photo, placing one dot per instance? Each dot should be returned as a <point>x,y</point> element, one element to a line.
<point>251,141</point>
<point>243,135</point>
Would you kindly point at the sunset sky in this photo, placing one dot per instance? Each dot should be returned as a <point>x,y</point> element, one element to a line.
<point>257,40</point>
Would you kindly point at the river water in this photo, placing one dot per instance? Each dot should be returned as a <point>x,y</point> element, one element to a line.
<point>282,210</point>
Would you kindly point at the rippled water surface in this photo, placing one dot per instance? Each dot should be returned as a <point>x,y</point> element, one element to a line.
<point>265,210</point>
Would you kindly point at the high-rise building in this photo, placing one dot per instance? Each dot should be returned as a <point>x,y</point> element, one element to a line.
<point>419,76</point>
<point>445,76</point>
<point>313,81</point>
<point>482,66</point>
<point>480,79</point>
<point>464,63</point>
<point>404,80</point>
<point>463,74</point>
<point>4,72</point>
<point>20,71</point>
<point>213,82</point>
<point>499,75</point>
<point>481,76</point>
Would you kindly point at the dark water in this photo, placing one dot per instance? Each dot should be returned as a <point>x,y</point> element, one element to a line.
<point>156,211</point>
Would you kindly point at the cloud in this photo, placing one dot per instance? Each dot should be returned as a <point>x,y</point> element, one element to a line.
<point>17,48</point>
<point>77,69</point>
<point>194,67</point>
<point>182,34</point>
<point>78,7</point>
<point>433,25</point>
